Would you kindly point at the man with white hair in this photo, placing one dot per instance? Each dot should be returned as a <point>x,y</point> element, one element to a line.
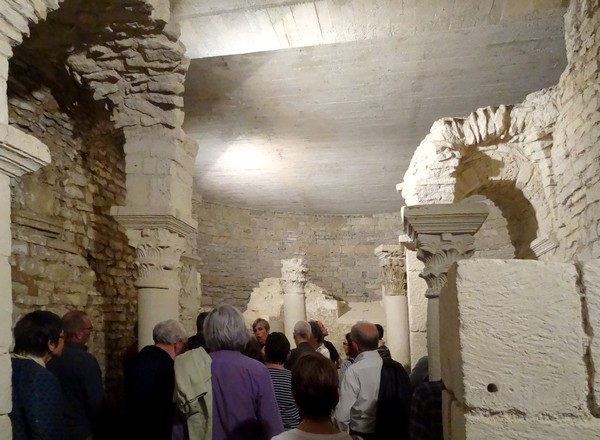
<point>302,332</point>
<point>150,383</point>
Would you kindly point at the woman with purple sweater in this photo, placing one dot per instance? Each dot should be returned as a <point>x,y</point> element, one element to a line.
<point>244,404</point>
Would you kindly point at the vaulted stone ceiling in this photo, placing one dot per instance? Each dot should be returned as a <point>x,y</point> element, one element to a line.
<point>317,106</point>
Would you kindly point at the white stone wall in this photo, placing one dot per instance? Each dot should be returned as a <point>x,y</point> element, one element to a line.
<point>537,161</point>
<point>575,156</point>
<point>239,248</point>
<point>517,349</point>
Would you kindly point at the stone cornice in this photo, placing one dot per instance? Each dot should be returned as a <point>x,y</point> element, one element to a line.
<point>138,219</point>
<point>20,153</point>
<point>452,218</point>
<point>542,245</point>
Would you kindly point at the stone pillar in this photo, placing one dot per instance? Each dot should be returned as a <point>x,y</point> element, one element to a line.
<point>443,234</point>
<point>160,241</point>
<point>395,304</point>
<point>293,280</point>
<point>19,154</point>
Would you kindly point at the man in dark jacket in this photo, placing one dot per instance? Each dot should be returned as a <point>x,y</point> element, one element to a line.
<point>80,377</point>
<point>301,335</point>
<point>150,384</point>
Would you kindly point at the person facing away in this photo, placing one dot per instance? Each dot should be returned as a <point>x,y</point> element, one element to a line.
<point>261,328</point>
<point>351,354</point>
<point>382,349</point>
<point>80,377</point>
<point>357,409</point>
<point>333,353</point>
<point>244,403</point>
<point>301,334</point>
<point>315,390</point>
<point>277,350</point>
<point>197,340</point>
<point>316,339</point>
<point>426,412</point>
<point>150,384</point>
<point>37,398</point>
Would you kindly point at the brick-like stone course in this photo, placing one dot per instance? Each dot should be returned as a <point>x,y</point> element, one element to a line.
<point>67,251</point>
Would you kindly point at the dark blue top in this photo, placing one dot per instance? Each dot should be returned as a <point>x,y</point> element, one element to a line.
<point>80,377</point>
<point>37,403</point>
<point>149,387</point>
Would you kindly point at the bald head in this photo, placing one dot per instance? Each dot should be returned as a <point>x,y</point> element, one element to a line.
<point>365,335</point>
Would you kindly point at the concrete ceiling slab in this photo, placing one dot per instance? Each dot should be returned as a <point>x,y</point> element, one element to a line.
<point>327,122</point>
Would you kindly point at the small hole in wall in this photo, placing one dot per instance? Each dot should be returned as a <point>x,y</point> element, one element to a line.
<point>492,388</point>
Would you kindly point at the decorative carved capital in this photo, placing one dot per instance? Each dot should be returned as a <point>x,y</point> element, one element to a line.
<point>159,264</point>
<point>20,153</point>
<point>443,234</point>
<point>438,252</point>
<point>293,275</point>
<point>391,260</point>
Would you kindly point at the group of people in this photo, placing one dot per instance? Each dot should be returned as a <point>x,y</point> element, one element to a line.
<point>223,383</point>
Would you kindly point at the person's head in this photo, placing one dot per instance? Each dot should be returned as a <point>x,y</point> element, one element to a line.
<point>260,328</point>
<point>379,330</point>
<point>315,386</point>
<point>302,332</point>
<point>200,321</point>
<point>365,336</point>
<point>170,336</point>
<point>254,350</point>
<point>349,348</point>
<point>40,334</point>
<point>225,329</point>
<point>277,348</point>
<point>323,329</point>
<point>317,337</point>
<point>78,326</point>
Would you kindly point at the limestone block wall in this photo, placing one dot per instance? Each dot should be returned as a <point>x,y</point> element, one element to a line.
<point>575,156</point>
<point>67,251</point>
<point>518,350</point>
<point>538,161</point>
<point>239,248</point>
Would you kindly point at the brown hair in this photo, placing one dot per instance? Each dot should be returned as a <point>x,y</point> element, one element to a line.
<point>315,385</point>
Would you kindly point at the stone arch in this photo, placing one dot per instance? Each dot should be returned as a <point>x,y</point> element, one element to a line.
<point>504,149</point>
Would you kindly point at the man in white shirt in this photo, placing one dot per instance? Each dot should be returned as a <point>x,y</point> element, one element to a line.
<point>356,411</point>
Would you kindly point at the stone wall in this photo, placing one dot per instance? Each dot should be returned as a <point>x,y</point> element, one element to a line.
<point>575,156</point>
<point>538,161</point>
<point>67,251</point>
<point>506,373</point>
<point>239,248</point>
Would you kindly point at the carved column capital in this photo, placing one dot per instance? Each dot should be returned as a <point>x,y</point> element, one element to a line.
<point>391,260</point>
<point>293,275</point>
<point>20,153</point>
<point>442,234</point>
<point>159,240</point>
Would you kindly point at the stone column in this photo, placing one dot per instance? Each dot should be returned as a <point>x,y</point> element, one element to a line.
<point>160,241</point>
<point>19,154</point>
<point>442,235</point>
<point>395,304</point>
<point>293,281</point>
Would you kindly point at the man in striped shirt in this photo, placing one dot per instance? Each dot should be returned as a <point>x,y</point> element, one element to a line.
<point>277,350</point>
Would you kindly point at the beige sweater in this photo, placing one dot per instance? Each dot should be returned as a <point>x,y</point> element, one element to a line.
<point>193,392</point>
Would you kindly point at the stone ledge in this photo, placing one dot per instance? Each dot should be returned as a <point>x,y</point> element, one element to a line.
<point>45,224</point>
<point>20,153</point>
